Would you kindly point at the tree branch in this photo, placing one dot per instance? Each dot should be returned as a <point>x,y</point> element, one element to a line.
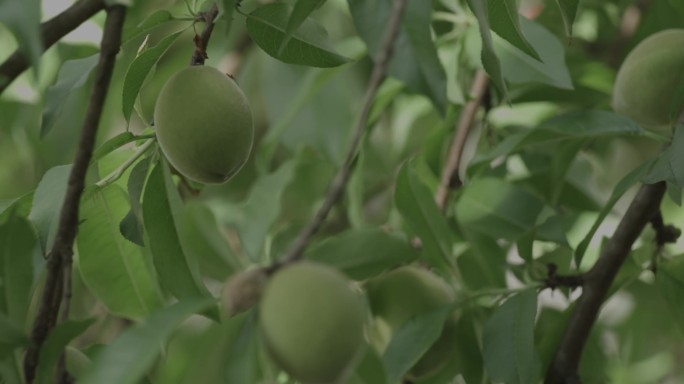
<point>52,31</point>
<point>60,258</point>
<point>338,184</point>
<point>563,368</point>
<point>450,179</point>
<point>202,41</point>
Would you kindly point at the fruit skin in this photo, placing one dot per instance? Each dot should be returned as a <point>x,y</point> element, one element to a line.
<point>204,124</point>
<point>312,322</point>
<point>402,294</point>
<point>648,78</point>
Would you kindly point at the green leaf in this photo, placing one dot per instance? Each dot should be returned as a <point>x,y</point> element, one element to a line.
<point>670,283</point>
<point>508,341</point>
<point>414,57</point>
<point>411,342</point>
<point>114,143</point>
<point>47,204</point>
<point>18,244</point>
<point>550,68</point>
<point>242,367</point>
<point>54,346</point>
<point>128,358</point>
<point>363,253</point>
<point>202,238</point>
<point>302,10</point>
<point>23,19</point>
<point>153,20</point>
<point>490,60</point>
<point>262,208</point>
<point>418,209</point>
<point>570,126</point>
<point>504,20</point>
<point>498,209</point>
<point>138,71</point>
<point>370,369</point>
<point>114,269</point>
<point>267,25</point>
<point>11,337</point>
<point>227,8</point>
<point>20,206</point>
<point>568,10</point>
<point>131,226</point>
<point>620,188</point>
<point>161,208</point>
<point>669,166</point>
<point>72,76</point>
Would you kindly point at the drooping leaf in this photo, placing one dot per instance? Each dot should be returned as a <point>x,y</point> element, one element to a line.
<point>72,76</point>
<point>508,342</point>
<point>411,342</point>
<point>131,226</point>
<point>227,8</point>
<point>47,204</point>
<point>363,253</point>
<point>490,61</point>
<point>129,356</point>
<point>498,209</point>
<point>18,243</point>
<point>161,207</point>
<point>267,25</point>
<point>54,346</point>
<point>138,71</point>
<point>114,269</point>
<point>243,364</point>
<point>23,19</point>
<point>669,166</point>
<point>519,68</point>
<point>620,188</point>
<point>420,212</point>
<point>414,59</point>
<point>504,20</point>
<point>568,10</point>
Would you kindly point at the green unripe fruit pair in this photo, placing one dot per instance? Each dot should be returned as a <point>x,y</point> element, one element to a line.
<point>312,323</point>
<point>204,124</point>
<point>646,84</point>
<point>402,294</point>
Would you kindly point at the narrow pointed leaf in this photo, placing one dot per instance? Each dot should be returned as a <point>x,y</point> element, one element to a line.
<point>114,269</point>
<point>267,25</point>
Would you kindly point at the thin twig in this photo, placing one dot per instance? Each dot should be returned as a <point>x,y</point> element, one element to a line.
<point>62,250</point>
<point>118,172</point>
<point>202,41</point>
<point>52,31</point>
<point>338,184</point>
<point>597,282</point>
<point>450,179</point>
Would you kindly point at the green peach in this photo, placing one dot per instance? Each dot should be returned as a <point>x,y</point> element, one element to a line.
<point>312,322</point>
<point>648,78</point>
<point>204,124</point>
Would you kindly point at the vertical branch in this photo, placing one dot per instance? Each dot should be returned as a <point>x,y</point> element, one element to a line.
<point>449,179</point>
<point>60,257</point>
<point>52,30</point>
<point>338,184</point>
<point>597,282</point>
